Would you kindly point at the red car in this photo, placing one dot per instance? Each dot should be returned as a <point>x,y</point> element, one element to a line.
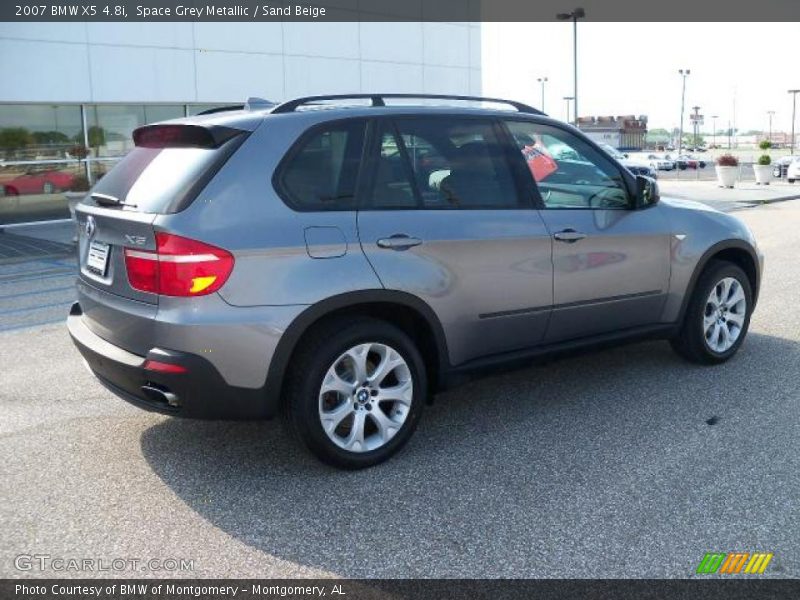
<point>37,182</point>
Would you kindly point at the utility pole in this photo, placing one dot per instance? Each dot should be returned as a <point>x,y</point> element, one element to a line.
<point>542,81</point>
<point>794,107</point>
<point>683,73</point>
<point>771,113</point>
<point>568,98</point>
<point>576,14</point>
<point>714,126</point>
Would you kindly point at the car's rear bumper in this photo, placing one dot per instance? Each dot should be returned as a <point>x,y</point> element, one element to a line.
<point>199,392</point>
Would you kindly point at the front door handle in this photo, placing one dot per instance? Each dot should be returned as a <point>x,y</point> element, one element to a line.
<point>569,236</point>
<point>398,241</point>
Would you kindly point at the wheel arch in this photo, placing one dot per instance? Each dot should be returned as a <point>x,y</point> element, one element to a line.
<point>404,310</point>
<point>737,252</point>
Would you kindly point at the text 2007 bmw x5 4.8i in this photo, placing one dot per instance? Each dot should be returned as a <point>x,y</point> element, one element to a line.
<point>343,264</point>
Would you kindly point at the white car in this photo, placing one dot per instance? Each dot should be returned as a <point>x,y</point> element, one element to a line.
<point>660,163</point>
<point>634,164</point>
<point>793,171</point>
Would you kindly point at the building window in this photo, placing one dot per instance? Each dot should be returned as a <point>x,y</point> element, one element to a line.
<point>110,126</point>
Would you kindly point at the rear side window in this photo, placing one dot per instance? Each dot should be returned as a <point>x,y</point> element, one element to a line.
<point>321,172</point>
<point>162,178</point>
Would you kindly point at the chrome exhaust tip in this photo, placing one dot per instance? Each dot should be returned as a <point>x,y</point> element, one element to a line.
<point>160,395</point>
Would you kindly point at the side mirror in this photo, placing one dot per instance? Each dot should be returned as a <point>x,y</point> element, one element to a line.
<point>626,155</point>
<point>647,192</point>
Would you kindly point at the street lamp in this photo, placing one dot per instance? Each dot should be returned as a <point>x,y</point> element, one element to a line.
<point>542,80</point>
<point>794,107</point>
<point>573,16</point>
<point>568,98</point>
<point>714,128</point>
<point>683,73</point>
<point>771,113</point>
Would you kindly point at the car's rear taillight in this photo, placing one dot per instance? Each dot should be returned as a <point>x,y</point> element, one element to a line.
<point>178,267</point>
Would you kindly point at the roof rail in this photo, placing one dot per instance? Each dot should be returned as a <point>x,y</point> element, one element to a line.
<point>380,100</point>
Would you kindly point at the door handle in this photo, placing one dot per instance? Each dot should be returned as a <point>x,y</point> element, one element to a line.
<point>569,236</point>
<point>398,241</point>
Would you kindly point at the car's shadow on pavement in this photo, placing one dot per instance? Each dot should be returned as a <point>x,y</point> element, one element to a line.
<point>630,452</point>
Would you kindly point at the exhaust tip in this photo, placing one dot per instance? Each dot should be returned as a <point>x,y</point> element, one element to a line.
<point>161,395</point>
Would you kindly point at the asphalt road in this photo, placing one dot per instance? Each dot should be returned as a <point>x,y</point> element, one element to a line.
<point>598,465</point>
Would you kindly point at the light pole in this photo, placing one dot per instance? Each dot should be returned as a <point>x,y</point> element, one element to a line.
<point>542,80</point>
<point>794,107</point>
<point>771,113</point>
<point>568,98</point>
<point>714,128</point>
<point>573,16</point>
<point>683,73</point>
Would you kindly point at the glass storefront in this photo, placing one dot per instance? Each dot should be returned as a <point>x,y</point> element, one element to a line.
<point>49,150</point>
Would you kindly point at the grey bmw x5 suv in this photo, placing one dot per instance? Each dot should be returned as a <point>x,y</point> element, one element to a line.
<point>341,259</point>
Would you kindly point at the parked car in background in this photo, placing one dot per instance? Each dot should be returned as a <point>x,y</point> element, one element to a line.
<point>691,163</point>
<point>781,166</point>
<point>634,165</point>
<point>701,162</point>
<point>793,171</point>
<point>36,182</point>
<point>658,163</point>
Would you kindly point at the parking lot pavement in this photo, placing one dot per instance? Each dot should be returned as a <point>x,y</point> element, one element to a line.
<point>745,194</point>
<point>597,465</point>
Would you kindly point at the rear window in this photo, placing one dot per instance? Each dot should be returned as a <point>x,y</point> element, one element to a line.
<point>321,172</point>
<point>164,179</point>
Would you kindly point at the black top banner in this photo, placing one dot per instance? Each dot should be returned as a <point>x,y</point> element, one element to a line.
<point>401,10</point>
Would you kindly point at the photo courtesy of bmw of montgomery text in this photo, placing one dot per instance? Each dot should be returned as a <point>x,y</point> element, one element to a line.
<point>341,259</point>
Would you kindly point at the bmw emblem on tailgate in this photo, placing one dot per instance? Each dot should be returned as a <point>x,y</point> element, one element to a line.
<point>90,226</point>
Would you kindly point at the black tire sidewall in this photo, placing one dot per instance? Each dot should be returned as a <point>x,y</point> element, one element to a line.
<point>708,281</point>
<point>331,343</point>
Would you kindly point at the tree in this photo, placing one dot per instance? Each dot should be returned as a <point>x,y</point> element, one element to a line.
<point>50,137</point>
<point>97,138</point>
<point>14,138</point>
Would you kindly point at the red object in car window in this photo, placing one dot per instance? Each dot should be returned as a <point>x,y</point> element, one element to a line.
<point>541,165</point>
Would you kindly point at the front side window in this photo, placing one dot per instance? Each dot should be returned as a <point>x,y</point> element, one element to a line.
<point>321,173</point>
<point>569,172</point>
<point>442,163</point>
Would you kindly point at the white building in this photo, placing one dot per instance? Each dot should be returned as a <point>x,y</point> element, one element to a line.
<point>91,84</point>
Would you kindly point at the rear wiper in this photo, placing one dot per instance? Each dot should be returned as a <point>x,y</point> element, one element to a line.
<point>109,200</point>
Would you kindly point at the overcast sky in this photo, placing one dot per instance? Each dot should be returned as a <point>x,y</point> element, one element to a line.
<point>632,68</point>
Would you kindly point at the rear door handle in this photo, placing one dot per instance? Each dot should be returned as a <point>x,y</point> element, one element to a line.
<point>569,236</point>
<point>398,241</point>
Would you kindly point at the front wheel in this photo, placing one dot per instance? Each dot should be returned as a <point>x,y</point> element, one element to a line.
<point>356,392</point>
<point>718,315</point>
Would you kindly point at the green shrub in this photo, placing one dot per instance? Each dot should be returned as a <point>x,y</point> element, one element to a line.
<point>765,145</point>
<point>764,159</point>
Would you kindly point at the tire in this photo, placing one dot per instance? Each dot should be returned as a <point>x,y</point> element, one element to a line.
<point>692,342</point>
<point>790,180</point>
<point>326,359</point>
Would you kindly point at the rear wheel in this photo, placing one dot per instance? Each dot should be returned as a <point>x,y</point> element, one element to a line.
<point>718,315</point>
<point>356,392</point>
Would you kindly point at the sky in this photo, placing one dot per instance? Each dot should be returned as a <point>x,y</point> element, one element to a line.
<point>632,68</point>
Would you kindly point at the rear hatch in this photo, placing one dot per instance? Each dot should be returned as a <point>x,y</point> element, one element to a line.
<point>168,167</point>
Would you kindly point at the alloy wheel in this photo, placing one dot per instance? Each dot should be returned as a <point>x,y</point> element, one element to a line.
<point>724,315</point>
<point>365,397</point>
